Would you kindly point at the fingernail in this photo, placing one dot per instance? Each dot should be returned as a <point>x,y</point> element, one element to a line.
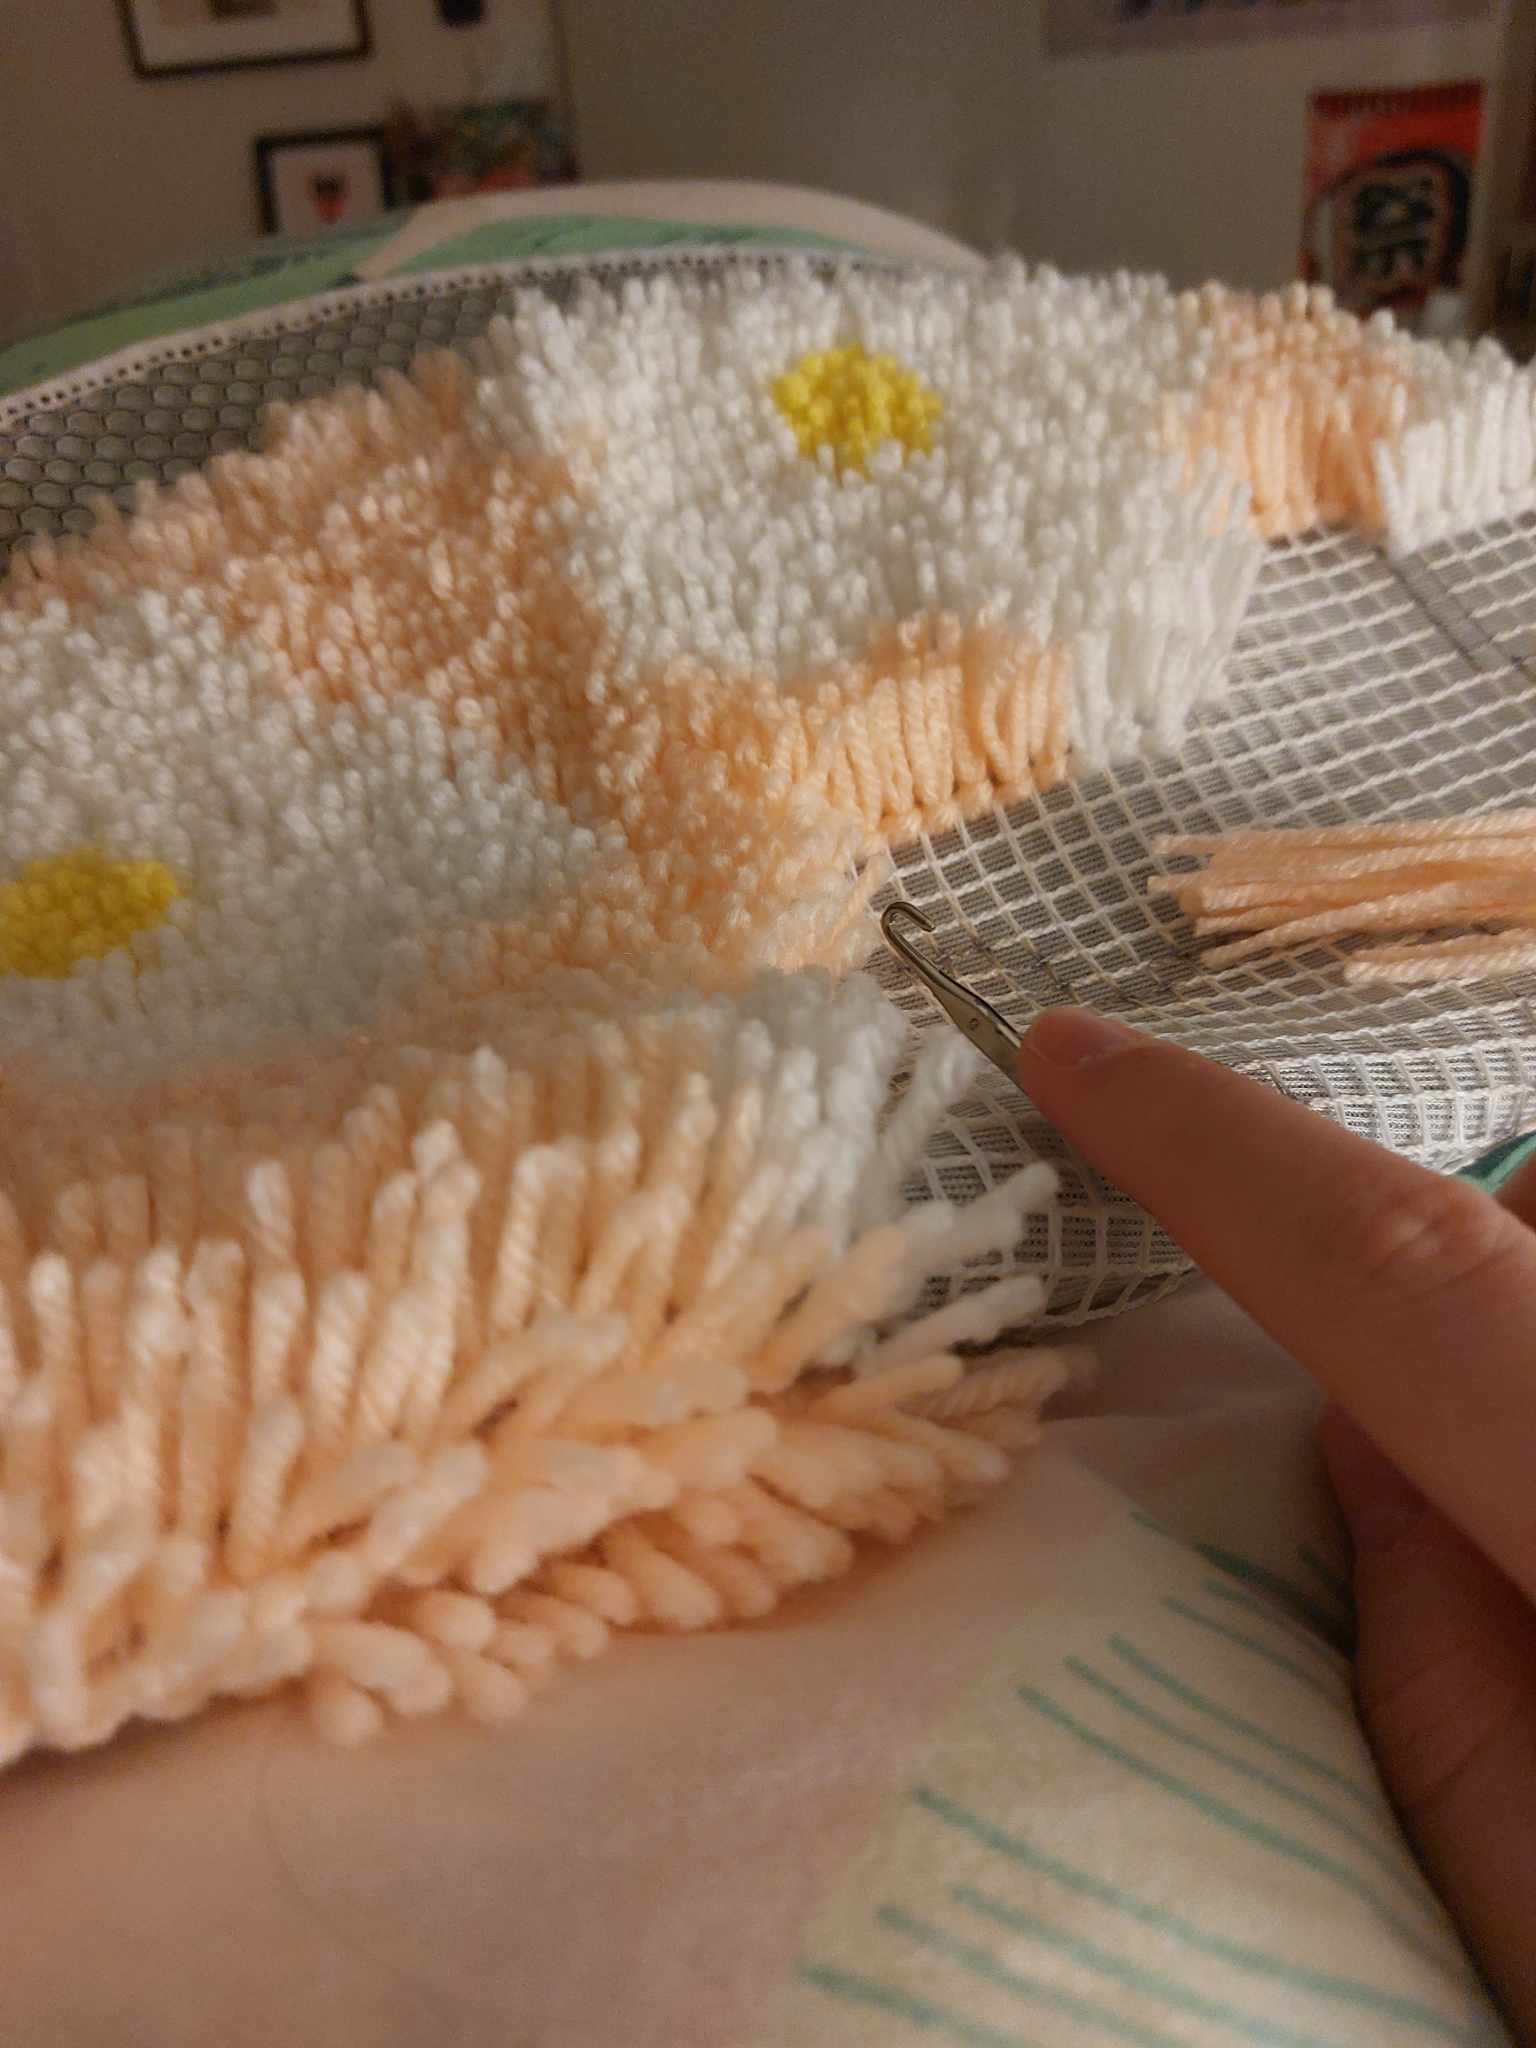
<point>1377,1500</point>
<point>1076,1038</point>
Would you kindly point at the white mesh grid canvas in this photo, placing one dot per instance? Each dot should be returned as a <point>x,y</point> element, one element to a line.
<point>1361,688</point>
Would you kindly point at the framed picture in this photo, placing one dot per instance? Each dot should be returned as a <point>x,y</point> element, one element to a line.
<point>169,38</point>
<point>1389,181</point>
<point>502,147</point>
<point>322,180</point>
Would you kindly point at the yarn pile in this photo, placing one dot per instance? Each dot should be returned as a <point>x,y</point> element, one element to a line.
<point>450,1174</point>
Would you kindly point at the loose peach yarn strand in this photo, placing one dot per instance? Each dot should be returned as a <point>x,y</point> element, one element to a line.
<point>1289,888</point>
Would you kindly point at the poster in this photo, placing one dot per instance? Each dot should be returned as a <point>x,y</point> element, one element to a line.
<point>1388,196</point>
<point>1075,26</point>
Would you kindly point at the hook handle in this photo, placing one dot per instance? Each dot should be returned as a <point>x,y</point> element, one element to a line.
<point>987,1029</point>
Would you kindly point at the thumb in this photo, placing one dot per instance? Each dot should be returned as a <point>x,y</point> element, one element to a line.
<point>1446,1676</point>
<point>1381,1505</point>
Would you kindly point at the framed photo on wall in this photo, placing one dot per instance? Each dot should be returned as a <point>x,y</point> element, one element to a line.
<point>169,38</point>
<point>329,178</point>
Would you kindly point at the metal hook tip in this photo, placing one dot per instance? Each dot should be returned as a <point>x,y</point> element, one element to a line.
<point>983,1025</point>
<point>904,912</point>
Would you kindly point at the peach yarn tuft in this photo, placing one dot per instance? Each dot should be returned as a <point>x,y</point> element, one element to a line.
<point>450,1177</point>
<point>415,1403</point>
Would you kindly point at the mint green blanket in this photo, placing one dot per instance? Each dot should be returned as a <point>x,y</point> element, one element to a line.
<point>274,271</point>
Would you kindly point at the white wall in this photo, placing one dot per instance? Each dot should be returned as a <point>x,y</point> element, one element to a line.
<point>104,175</point>
<point>1186,161</point>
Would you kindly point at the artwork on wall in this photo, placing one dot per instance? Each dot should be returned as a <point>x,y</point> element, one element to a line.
<point>505,146</point>
<point>1388,198</point>
<point>169,38</point>
<point>330,178</point>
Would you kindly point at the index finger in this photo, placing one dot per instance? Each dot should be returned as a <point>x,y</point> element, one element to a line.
<point>1410,1296</point>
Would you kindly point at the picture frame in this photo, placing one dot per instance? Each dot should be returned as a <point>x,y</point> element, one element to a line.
<point>182,38</point>
<point>321,178</point>
<point>504,145</point>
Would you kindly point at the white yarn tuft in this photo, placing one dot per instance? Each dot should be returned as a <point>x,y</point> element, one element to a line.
<point>1050,509</point>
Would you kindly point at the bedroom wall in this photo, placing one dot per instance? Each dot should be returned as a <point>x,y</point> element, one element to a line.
<point>1184,160</point>
<point>105,176</point>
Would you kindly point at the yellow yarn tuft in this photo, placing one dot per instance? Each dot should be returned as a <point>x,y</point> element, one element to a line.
<point>77,906</point>
<point>850,401</point>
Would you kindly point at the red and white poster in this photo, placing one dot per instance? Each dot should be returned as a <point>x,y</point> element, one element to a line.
<point>1388,197</point>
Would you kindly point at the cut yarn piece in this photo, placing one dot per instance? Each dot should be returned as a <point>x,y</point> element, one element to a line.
<point>1288,888</point>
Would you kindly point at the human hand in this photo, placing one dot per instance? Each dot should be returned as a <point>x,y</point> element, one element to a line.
<point>1411,1297</point>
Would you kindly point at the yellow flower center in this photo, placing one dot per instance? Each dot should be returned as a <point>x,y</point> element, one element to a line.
<point>77,906</point>
<point>850,401</point>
